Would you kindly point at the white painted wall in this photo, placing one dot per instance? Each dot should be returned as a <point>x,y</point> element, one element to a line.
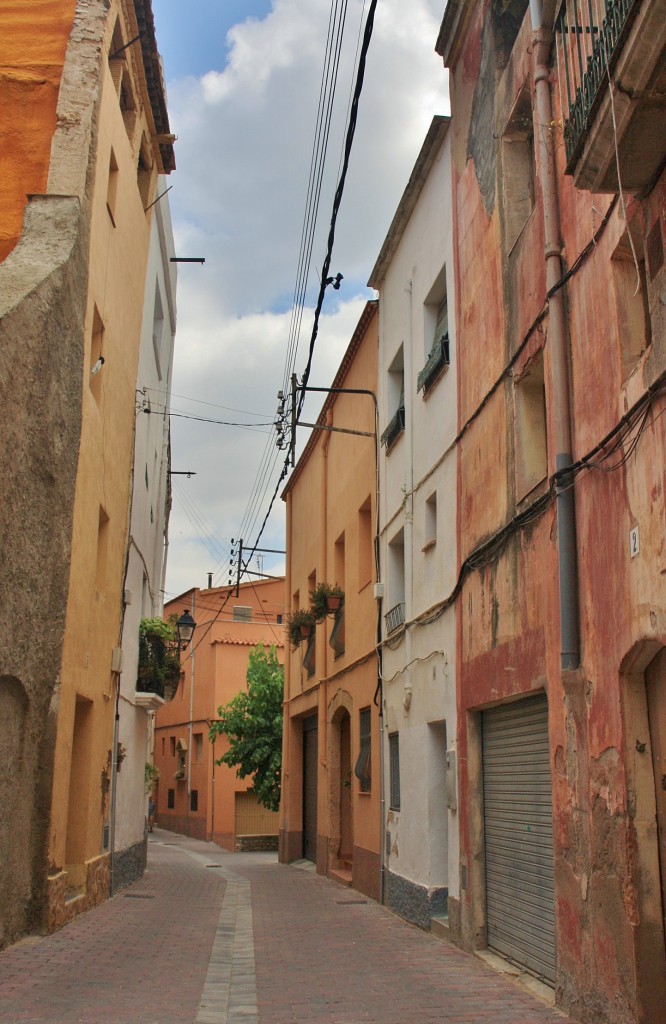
<point>146,563</point>
<point>419,673</point>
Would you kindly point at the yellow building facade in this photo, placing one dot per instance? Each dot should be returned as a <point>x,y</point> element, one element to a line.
<point>84,134</point>
<point>331,786</point>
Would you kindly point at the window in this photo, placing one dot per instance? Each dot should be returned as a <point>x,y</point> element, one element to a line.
<point>171,799</point>
<point>144,171</point>
<point>96,356</point>
<point>242,613</point>
<point>435,334</point>
<point>198,746</point>
<point>158,330</point>
<point>396,580</point>
<point>530,428</point>
<point>394,771</point>
<point>395,400</point>
<point>112,188</point>
<point>365,543</point>
<point>631,303</point>
<point>430,525</point>
<point>339,561</point>
<point>310,652</point>
<point>194,800</point>
<point>102,550</point>
<point>172,745</point>
<point>362,769</point>
<point>337,641</point>
<point>163,746</point>
<point>518,169</point>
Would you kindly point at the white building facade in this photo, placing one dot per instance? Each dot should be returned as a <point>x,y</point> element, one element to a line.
<point>146,547</point>
<point>414,275</point>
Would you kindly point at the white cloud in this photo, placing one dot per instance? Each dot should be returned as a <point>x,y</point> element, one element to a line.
<point>245,141</point>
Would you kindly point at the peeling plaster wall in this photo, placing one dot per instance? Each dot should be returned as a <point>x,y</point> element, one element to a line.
<point>610,941</point>
<point>43,284</point>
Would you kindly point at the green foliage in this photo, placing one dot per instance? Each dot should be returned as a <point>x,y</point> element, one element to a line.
<point>302,617</point>
<point>159,663</point>
<point>151,776</point>
<point>252,722</point>
<point>319,599</point>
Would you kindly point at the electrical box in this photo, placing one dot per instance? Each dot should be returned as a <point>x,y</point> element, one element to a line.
<point>451,781</point>
<point>378,591</point>
<point>117,659</point>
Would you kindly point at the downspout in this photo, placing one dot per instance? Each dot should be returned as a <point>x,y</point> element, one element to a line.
<point>191,724</point>
<point>557,344</point>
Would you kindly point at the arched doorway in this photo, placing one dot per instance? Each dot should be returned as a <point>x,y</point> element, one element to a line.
<point>341,837</point>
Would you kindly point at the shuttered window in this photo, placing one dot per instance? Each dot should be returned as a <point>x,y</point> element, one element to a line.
<point>518,826</point>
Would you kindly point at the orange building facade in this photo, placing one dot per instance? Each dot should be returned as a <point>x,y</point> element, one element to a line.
<point>331,786</point>
<point>195,796</point>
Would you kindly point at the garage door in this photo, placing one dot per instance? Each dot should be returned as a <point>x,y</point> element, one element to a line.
<point>518,824</point>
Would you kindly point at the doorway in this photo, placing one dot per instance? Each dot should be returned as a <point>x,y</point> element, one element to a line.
<point>310,758</point>
<point>655,683</point>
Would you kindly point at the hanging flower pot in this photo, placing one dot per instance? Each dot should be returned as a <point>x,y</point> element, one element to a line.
<point>300,624</point>
<point>325,599</point>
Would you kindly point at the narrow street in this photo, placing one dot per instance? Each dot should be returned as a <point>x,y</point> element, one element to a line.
<point>207,937</point>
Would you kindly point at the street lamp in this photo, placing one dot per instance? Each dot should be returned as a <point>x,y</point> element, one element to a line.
<point>185,627</point>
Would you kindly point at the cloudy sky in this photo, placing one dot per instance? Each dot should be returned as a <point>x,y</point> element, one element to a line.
<point>243,82</point>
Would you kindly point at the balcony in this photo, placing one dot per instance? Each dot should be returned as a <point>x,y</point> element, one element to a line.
<point>394,429</point>
<point>625,39</point>
<point>149,694</point>
<point>395,617</point>
<point>437,361</point>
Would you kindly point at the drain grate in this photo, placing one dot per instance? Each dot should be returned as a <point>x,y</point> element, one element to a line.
<point>351,903</point>
<point>213,865</point>
<point>137,896</point>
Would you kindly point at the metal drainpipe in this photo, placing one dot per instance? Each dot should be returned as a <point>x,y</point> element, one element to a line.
<point>557,343</point>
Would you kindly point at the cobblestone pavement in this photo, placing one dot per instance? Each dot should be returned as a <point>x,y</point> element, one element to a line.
<point>207,937</point>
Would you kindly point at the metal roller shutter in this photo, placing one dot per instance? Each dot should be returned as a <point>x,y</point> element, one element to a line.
<point>518,823</point>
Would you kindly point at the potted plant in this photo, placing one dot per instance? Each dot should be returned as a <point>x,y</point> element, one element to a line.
<point>299,626</point>
<point>325,600</point>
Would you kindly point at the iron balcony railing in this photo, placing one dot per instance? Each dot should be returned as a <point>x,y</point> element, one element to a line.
<point>590,34</point>
<point>437,360</point>
<point>395,428</point>
<point>395,617</point>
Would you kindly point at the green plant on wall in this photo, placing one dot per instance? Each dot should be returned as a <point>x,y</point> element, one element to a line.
<point>159,663</point>
<point>325,600</point>
<point>151,777</point>
<point>300,624</point>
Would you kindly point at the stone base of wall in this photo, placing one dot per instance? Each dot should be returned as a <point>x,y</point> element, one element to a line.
<point>63,908</point>
<point>290,846</point>
<point>365,872</point>
<point>129,864</point>
<point>256,844</point>
<point>455,926</point>
<point>414,902</point>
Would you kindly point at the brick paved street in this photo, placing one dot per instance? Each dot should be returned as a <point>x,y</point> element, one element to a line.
<point>207,937</point>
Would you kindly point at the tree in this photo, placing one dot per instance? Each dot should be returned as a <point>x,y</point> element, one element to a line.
<point>252,722</point>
